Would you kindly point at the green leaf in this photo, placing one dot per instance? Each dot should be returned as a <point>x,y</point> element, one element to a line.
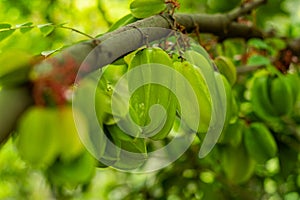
<point>258,43</point>
<point>46,29</point>
<point>270,11</point>
<point>10,63</point>
<point>14,71</point>
<point>276,43</point>
<point>257,60</point>
<point>73,173</point>
<point>25,27</point>
<point>222,6</point>
<point>146,8</point>
<point>5,26</point>
<point>127,19</point>
<point>5,34</point>
<point>61,24</point>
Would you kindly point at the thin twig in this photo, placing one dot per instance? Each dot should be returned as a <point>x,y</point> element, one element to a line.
<point>53,25</point>
<point>77,31</point>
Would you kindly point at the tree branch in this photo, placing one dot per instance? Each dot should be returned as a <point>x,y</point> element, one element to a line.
<point>244,9</point>
<point>218,25</point>
<point>246,69</point>
<point>128,38</point>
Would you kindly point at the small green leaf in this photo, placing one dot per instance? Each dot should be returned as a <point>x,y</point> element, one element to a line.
<point>9,63</point>
<point>5,34</point>
<point>127,19</point>
<point>146,8</point>
<point>25,27</point>
<point>276,44</point>
<point>258,43</point>
<point>222,6</point>
<point>61,24</point>
<point>46,29</point>
<point>5,26</point>
<point>73,173</point>
<point>257,60</point>
<point>25,24</point>
<point>14,71</point>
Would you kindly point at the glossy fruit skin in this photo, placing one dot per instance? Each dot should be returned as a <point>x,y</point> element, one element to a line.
<point>38,142</point>
<point>194,77</point>
<point>260,100</point>
<point>227,68</point>
<point>259,142</point>
<point>281,96</point>
<point>273,97</point>
<point>220,95</point>
<point>46,134</point>
<point>70,142</point>
<point>148,95</point>
<point>48,140</point>
<point>103,97</point>
<point>202,62</point>
<point>233,134</point>
<point>293,80</point>
<point>203,78</point>
<point>225,93</point>
<point>237,164</point>
<point>131,152</point>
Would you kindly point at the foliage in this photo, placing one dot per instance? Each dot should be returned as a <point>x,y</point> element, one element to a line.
<point>257,155</point>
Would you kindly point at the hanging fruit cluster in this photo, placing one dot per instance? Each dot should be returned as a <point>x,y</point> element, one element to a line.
<point>138,126</point>
<point>274,96</point>
<point>48,136</point>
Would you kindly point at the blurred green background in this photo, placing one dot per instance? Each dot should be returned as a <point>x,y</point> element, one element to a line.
<point>20,181</point>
